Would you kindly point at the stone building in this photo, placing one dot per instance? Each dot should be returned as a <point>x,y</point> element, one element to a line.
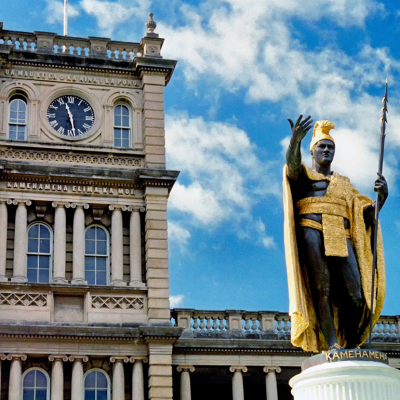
<point>84,284</point>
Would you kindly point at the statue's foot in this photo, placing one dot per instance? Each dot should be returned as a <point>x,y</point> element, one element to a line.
<point>336,346</point>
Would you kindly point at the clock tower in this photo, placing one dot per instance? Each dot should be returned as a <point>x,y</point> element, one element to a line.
<point>84,283</point>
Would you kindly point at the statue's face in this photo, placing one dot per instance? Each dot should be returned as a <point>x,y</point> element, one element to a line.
<point>323,152</point>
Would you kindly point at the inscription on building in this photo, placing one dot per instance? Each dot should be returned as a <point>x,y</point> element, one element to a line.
<point>81,189</point>
<point>63,77</point>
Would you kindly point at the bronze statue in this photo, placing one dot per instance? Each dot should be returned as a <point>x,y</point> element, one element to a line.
<point>328,236</point>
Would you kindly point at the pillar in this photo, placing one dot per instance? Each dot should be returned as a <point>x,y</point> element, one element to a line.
<point>57,376</point>
<point>135,241</point>
<point>60,242</point>
<point>3,239</point>
<point>118,377</point>
<point>186,392</point>
<point>77,384</point>
<point>156,255</point>
<point>137,377</point>
<point>20,241</point>
<point>270,382</point>
<point>15,384</point>
<point>237,382</point>
<point>117,247</point>
<point>160,370</point>
<point>78,248</point>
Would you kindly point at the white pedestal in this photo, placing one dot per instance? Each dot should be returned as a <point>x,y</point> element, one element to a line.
<point>347,380</point>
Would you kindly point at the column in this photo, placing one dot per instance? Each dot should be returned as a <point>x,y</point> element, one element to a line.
<point>77,384</point>
<point>135,238</point>
<point>160,370</point>
<point>15,384</point>
<point>78,248</point>
<point>57,376</point>
<point>137,377</point>
<point>60,241</point>
<point>20,241</point>
<point>117,247</point>
<point>118,377</point>
<point>3,239</point>
<point>237,382</point>
<point>186,392</point>
<point>156,255</point>
<point>270,382</point>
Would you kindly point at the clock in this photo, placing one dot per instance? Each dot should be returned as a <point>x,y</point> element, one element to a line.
<point>70,116</point>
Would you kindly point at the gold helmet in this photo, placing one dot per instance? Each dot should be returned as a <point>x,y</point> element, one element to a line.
<point>321,131</point>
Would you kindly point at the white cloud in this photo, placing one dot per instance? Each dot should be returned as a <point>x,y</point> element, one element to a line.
<point>176,301</point>
<point>178,234</point>
<point>225,173</point>
<point>111,14</point>
<point>55,12</point>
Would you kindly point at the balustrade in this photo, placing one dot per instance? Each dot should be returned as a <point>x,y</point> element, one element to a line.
<point>278,324</point>
<point>52,43</point>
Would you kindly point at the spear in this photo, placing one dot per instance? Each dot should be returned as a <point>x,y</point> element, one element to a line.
<point>380,168</point>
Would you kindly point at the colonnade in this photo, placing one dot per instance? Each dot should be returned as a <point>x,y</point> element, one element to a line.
<point>78,248</point>
<point>237,381</point>
<point>77,378</point>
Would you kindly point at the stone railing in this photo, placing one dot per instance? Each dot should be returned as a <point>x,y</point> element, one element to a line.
<point>273,324</point>
<point>44,42</point>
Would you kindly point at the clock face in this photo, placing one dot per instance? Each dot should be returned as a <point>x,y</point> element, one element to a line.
<point>70,116</point>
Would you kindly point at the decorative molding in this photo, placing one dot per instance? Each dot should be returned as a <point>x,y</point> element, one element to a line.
<point>40,210</point>
<point>58,357</point>
<point>23,299</point>
<point>60,204</point>
<point>83,205</point>
<point>21,201</point>
<point>272,369</point>
<point>115,359</point>
<point>189,368</point>
<point>13,356</point>
<point>238,368</point>
<point>97,213</point>
<point>78,357</point>
<point>134,359</point>
<point>67,158</point>
<point>117,302</point>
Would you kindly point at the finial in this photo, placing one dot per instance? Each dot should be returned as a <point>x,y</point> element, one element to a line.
<point>151,25</point>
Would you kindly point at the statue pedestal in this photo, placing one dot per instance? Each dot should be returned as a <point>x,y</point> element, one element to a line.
<point>347,380</point>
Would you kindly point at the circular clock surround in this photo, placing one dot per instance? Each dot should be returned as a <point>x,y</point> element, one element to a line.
<point>70,116</point>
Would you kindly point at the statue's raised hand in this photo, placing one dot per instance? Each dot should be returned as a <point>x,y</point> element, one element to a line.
<point>300,129</point>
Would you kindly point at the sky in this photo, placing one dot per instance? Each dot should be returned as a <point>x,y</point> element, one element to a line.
<point>245,67</point>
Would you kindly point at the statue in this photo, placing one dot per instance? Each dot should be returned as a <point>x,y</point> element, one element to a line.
<point>328,247</point>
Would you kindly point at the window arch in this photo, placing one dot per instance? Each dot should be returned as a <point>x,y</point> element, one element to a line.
<point>97,385</point>
<point>17,123</point>
<point>122,126</point>
<point>40,248</point>
<point>97,252</point>
<point>35,384</point>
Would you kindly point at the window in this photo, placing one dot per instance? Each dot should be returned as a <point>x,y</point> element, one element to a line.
<point>35,385</point>
<point>18,118</point>
<point>96,256</point>
<point>97,385</point>
<point>122,126</point>
<point>39,253</point>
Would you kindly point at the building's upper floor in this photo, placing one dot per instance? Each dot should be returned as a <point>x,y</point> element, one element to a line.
<point>69,93</point>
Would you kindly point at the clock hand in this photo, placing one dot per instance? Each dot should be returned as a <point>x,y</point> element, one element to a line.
<point>71,118</point>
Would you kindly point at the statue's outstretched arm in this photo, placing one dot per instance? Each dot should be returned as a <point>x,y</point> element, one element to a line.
<point>381,187</point>
<point>293,154</point>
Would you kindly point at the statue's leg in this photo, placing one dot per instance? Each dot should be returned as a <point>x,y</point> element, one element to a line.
<point>352,308</point>
<point>312,253</point>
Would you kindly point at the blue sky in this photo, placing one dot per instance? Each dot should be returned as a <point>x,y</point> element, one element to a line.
<point>244,67</point>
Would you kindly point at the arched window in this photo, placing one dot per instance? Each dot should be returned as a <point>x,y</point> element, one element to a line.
<point>97,256</point>
<point>97,385</point>
<point>122,126</point>
<point>35,385</point>
<point>39,253</point>
<point>18,118</point>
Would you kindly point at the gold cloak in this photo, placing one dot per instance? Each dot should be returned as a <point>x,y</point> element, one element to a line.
<point>305,331</point>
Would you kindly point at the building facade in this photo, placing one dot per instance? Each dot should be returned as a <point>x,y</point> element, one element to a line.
<point>84,282</point>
